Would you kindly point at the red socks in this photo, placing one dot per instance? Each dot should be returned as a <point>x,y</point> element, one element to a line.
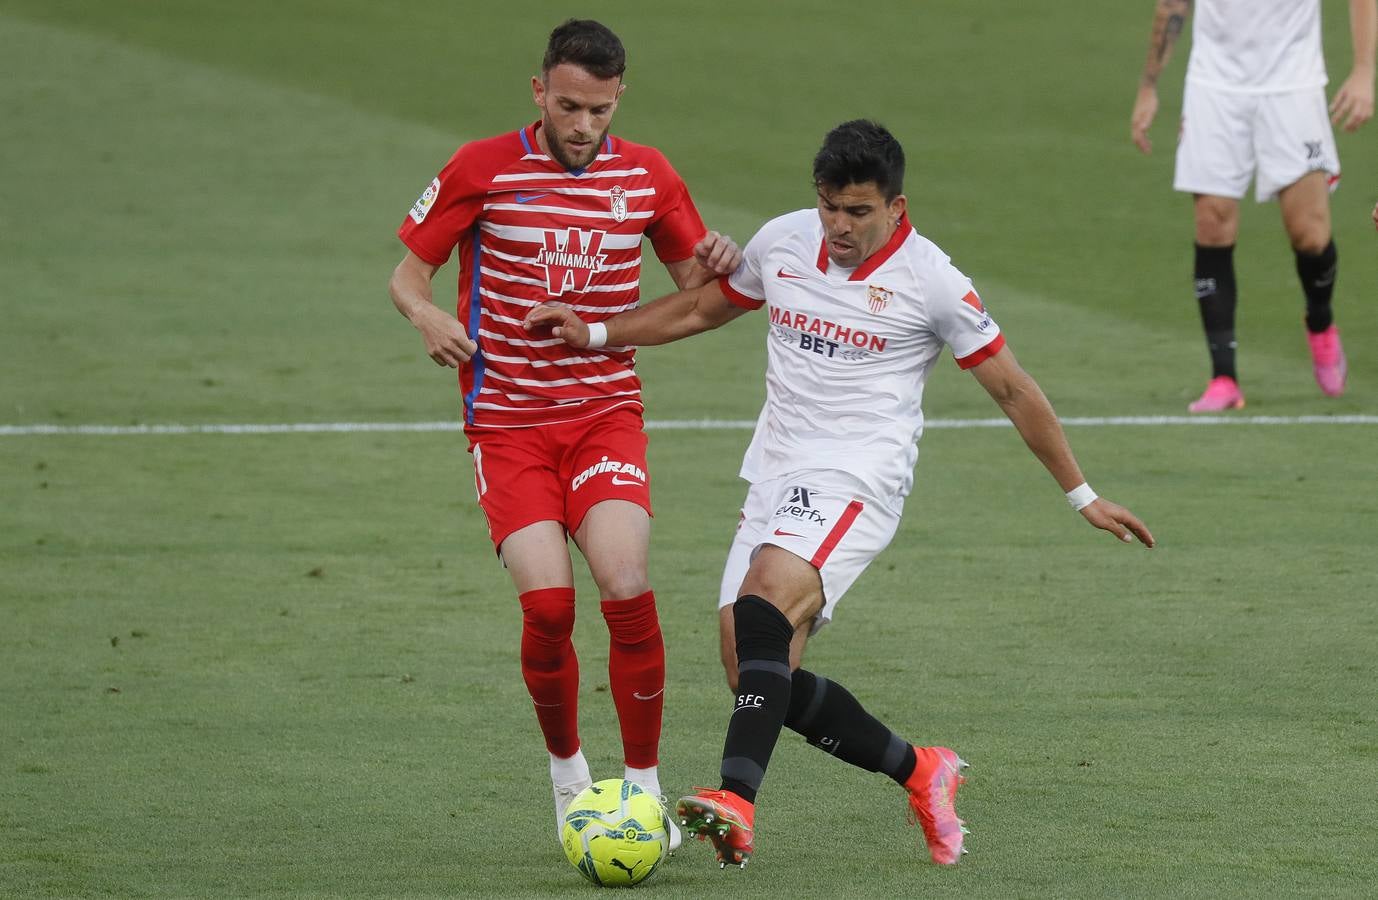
<point>549,666</point>
<point>636,672</point>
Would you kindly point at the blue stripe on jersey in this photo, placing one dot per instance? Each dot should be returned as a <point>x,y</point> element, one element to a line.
<point>525,141</point>
<point>475,311</point>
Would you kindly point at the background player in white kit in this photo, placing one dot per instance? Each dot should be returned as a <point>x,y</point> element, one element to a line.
<point>1254,107</point>
<point>860,308</point>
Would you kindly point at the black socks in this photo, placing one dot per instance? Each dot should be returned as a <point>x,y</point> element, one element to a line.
<point>831,719</point>
<point>1215,291</point>
<point>1317,274</point>
<point>763,694</point>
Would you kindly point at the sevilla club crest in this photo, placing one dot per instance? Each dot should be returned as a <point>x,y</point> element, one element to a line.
<point>877,298</point>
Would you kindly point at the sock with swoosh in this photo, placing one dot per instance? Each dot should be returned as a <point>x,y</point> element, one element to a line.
<point>636,674</point>
<point>1317,274</point>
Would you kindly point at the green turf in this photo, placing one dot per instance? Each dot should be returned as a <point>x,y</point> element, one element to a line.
<point>285,665</point>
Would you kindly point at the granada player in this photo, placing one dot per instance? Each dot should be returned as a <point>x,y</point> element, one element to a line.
<point>558,210</point>
<point>860,308</point>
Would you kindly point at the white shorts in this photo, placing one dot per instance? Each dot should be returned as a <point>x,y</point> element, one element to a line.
<point>823,516</point>
<point>1227,138</point>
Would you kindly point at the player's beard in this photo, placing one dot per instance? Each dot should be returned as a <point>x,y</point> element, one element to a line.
<point>556,142</point>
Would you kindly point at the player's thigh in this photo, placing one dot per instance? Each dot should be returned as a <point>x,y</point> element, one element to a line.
<point>537,557</point>
<point>743,573</point>
<point>786,581</point>
<point>1294,138</point>
<point>829,521</point>
<point>614,537</point>
<point>516,478</point>
<point>1215,148</point>
<point>603,458</point>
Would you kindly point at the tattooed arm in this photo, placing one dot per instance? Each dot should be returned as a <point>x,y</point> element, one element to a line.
<point>1168,20</point>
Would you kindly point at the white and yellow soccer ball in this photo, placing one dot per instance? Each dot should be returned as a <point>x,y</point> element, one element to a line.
<point>615,833</point>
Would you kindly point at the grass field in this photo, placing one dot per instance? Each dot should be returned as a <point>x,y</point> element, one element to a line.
<point>285,664</point>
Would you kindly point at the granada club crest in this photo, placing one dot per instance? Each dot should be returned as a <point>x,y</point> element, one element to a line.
<point>617,198</point>
<point>877,298</point>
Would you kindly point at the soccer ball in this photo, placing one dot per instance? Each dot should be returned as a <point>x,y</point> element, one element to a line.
<point>615,833</point>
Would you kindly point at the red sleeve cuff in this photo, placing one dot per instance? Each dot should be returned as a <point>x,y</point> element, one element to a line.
<point>736,297</point>
<point>985,353</point>
<point>414,246</point>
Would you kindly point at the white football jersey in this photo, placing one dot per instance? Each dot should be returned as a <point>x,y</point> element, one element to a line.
<point>1257,46</point>
<point>849,350</point>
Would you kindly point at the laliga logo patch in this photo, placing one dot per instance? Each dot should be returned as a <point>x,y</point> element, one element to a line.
<point>972,300</point>
<point>617,198</point>
<point>877,298</point>
<point>424,203</point>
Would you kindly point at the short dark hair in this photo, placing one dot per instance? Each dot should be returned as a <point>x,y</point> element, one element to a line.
<point>859,151</point>
<point>587,44</point>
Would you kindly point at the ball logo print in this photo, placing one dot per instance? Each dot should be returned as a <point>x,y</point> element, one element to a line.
<point>615,833</point>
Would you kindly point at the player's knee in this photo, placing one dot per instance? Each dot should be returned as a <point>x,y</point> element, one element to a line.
<point>624,581</point>
<point>1311,237</point>
<point>763,632</point>
<point>632,621</point>
<point>548,615</point>
<point>1217,221</point>
<point>1216,227</point>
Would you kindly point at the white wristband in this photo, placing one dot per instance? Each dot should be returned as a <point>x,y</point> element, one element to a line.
<point>1081,496</point>
<point>598,335</point>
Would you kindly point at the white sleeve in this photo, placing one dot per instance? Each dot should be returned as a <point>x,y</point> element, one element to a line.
<point>960,319</point>
<point>746,287</point>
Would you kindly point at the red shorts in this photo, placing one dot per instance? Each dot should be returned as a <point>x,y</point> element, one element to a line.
<point>558,472</point>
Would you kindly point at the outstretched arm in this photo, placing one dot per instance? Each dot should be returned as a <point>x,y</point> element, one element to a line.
<point>1023,401</point>
<point>1168,19</point>
<point>664,319</point>
<point>1353,103</point>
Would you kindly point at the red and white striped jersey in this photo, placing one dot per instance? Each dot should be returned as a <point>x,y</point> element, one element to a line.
<point>529,230</point>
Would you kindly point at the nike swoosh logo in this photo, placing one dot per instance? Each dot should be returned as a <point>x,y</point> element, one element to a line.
<point>527,198</point>
<point>616,480</point>
<point>783,274</point>
<point>648,696</point>
<point>787,533</point>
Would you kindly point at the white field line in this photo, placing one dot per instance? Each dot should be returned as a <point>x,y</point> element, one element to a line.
<point>651,425</point>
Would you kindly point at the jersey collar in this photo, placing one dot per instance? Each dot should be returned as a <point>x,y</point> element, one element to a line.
<point>875,260</point>
<point>529,144</point>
